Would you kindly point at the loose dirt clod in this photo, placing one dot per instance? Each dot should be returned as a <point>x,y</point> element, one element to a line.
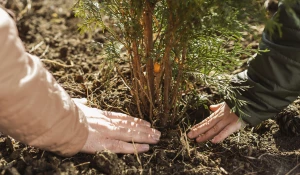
<point>289,121</point>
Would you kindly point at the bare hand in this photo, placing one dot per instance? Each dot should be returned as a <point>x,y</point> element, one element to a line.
<point>116,132</point>
<point>219,125</point>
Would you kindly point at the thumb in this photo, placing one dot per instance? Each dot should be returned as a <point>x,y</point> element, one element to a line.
<point>215,107</point>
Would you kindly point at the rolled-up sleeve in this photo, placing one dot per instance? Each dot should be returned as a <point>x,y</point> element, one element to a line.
<point>34,108</point>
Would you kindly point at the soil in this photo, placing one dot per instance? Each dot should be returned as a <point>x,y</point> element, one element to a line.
<point>49,30</point>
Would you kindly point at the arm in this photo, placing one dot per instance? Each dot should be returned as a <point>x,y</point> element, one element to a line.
<point>34,108</point>
<point>273,78</point>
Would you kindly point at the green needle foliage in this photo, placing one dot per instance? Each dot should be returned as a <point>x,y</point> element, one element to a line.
<point>170,41</point>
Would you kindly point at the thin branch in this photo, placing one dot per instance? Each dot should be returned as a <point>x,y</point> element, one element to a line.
<point>288,173</point>
<point>176,87</point>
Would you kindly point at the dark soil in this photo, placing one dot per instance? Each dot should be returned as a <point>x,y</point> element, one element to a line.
<point>49,30</point>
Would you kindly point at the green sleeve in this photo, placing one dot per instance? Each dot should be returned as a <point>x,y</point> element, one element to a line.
<point>273,76</point>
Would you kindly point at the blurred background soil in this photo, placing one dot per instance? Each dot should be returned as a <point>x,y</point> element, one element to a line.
<point>49,30</point>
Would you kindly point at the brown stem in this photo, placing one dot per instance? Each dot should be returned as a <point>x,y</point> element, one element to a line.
<point>167,78</point>
<point>176,87</point>
<point>148,40</point>
<point>167,65</point>
<point>138,77</point>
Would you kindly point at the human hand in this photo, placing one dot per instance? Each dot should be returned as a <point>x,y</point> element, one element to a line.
<point>116,132</point>
<point>219,125</point>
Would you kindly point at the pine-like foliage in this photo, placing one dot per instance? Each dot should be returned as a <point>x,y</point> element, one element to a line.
<point>170,41</point>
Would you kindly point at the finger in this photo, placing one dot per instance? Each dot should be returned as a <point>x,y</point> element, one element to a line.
<point>215,107</point>
<point>99,144</point>
<point>129,122</point>
<point>125,134</point>
<point>211,132</point>
<point>117,115</point>
<point>118,146</point>
<point>227,131</point>
<point>217,113</point>
<point>135,126</point>
<point>94,113</point>
<point>205,125</point>
<point>80,100</point>
<point>98,124</point>
<point>112,131</point>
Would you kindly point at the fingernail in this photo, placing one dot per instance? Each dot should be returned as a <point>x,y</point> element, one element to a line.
<point>156,132</point>
<point>144,147</point>
<point>156,137</point>
<point>146,123</point>
<point>214,140</point>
